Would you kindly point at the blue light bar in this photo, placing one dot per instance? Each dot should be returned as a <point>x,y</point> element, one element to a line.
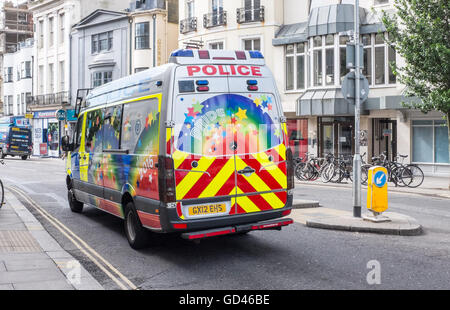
<point>252,82</point>
<point>256,54</point>
<point>183,53</point>
<point>202,82</point>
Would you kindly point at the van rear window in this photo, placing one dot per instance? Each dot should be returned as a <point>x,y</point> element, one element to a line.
<point>216,125</point>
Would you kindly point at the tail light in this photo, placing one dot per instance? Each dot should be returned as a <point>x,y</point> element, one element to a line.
<point>290,169</point>
<point>7,145</point>
<point>166,179</point>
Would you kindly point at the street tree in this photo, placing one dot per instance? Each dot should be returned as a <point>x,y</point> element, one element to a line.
<point>419,31</point>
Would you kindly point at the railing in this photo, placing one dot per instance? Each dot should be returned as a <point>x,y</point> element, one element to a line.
<point>245,15</point>
<point>215,19</point>
<point>188,25</point>
<point>61,98</point>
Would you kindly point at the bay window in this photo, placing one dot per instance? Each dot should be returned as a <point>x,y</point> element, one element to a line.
<point>295,69</point>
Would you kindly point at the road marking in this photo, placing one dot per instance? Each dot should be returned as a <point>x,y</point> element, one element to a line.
<point>105,266</point>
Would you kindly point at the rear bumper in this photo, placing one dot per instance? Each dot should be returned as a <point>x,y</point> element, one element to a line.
<point>170,221</point>
<point>266,225</point>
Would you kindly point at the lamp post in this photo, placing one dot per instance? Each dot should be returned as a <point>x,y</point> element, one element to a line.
<point>357,157</point>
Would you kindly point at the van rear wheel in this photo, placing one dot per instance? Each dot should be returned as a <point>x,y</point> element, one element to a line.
<point>24,157</point>
<point>137,235</point>
<point>74,204</point>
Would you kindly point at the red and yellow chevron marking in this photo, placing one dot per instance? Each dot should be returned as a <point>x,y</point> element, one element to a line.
<point>216,176</point>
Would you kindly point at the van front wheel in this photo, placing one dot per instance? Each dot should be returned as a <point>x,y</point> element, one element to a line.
<point>137,235</point>
<point>74,204</point>
<point>24,157</point>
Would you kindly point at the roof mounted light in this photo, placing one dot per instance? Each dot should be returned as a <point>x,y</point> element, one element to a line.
<point>256,54</point>
<point>183,53</point>
<point>203,54</point>
<point>240,55</point>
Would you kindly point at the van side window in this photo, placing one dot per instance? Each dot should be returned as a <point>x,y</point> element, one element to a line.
<point>77,133</point>
<point>94,124</point>
<point>140,127</point>
<point>111,128</point>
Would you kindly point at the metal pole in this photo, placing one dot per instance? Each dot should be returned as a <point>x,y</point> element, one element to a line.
<point>357,156</point>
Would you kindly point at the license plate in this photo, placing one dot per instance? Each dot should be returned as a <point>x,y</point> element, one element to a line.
<point>216,208</point>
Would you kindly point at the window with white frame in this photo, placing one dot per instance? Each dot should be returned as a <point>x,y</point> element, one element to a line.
<point>216,45</point>
<point>100,78</point>
<point>430,141</point>
<point>25,70</point>
<point>190,9</point>
<point>8,74</point>
<point>61,28</point>
<point>51,79</point>
<point>62,76</point>
<point>296,66</point>
<point>327,60</point>
<point>51,31</point>
<point>41,34</point>
<point>101,42</point>
<point>253,44</point>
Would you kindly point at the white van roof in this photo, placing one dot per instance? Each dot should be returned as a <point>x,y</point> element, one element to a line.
<point>198,57</point>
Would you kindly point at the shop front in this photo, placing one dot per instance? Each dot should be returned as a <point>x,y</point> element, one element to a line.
<point>298,136</point>
<point>46,134</point>
<point>336,136</point>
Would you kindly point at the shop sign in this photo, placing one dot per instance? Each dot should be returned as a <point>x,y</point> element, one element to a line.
<point>387,132</point>
<point>29,115</point>
<point>45,114</point>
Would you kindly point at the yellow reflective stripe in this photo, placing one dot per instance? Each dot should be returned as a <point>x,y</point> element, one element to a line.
<point>221,178</point>
<point>273,169</point>
<point>281,150</point>
<point>191,178</point>
<point>178,158</point>
<point>258,184</point>
<point>273,200</point>
<point>246,203</point>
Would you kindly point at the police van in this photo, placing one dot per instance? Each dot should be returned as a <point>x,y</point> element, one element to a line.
<point>197,147</point>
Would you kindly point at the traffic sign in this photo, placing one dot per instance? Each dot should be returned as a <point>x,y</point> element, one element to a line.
<point>348,88</point>
<point>61,115</point>
<point>377,190</point>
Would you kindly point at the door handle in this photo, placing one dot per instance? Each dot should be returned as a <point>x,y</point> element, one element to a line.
<point>247,171</point>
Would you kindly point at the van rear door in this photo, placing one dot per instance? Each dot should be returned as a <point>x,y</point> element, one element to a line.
<point>261,168</point>
<point>203,146</point>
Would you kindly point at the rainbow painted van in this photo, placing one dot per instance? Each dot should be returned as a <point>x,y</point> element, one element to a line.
<point>196,147</point>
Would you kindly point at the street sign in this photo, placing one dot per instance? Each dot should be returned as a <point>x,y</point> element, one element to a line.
<point>350,56</point>
<point>348,88</point>
<point>61,115</point>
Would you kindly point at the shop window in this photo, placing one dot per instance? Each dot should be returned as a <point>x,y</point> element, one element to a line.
<point>430,141</point>
<point>298,136</point>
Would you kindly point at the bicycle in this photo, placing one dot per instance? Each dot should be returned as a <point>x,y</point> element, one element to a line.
<point>2,194</point>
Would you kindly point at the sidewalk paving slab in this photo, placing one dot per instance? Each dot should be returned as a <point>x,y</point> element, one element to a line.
<point>303,203</point>
<point>332,219</point>
<point>30,258</point>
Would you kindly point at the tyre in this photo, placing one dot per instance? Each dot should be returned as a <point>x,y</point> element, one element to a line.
<point>412,176</point>
<point>2,194</point>
<point>365,174</point>
<point>298,171</point>
<point>24,157</point>
<point>74,204</point>
<point>327,173</point>
<point>137,235</point>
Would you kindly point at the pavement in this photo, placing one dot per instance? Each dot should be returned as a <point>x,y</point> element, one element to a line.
<point>30,259</point>
<point>398,224</point>
<point>431,186</point>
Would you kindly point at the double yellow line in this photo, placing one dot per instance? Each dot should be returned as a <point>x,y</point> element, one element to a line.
<point>123,282</point>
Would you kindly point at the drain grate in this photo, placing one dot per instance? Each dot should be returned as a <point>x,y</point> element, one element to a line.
<point>18,241</point>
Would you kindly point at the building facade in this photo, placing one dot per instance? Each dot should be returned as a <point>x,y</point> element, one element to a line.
<point>304,43</point>
<point>18,79</point>
<point>53,20</point>
<point>99,50</point>
<point>153,27</point>
<point>16,25</point>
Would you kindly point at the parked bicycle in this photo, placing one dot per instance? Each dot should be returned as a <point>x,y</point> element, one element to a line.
<point>2,190</point>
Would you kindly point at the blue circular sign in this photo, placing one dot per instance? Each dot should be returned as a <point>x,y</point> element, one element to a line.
<point>380,179</point>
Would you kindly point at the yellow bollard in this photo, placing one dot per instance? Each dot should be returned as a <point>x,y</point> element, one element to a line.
<point>377,192</point>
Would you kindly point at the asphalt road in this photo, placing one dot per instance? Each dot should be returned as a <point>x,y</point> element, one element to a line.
<point>295,258</point>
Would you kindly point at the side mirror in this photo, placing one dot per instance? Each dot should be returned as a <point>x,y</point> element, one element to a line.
<point>66,145</point>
